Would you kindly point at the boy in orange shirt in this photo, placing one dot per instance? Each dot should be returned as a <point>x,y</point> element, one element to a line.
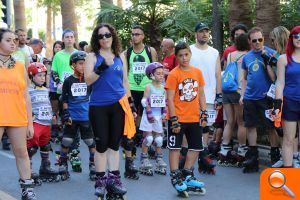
<point>185,99</point>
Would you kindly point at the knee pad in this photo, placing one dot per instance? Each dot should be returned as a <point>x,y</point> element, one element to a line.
<point>205,129</point>
<point>148,140</point>
<point>128,144</point>
<point>158,141</point>
<point>100,147</point>
<point>67,142</point>
<point>89,142</point>
<point>32,151</point>
<point>46,148</point>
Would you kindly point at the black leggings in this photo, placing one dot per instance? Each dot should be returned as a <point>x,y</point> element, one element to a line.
<point>108,126</point>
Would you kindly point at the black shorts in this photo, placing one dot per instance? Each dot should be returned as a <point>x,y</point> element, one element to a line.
<point>291,110</point>
<point>231,98</point>
<point>137,97</point>
<point>193,133</point>
<point>254,113</point>
<point>85,128</point>
<point>54,96</point>
<point>108,126</point>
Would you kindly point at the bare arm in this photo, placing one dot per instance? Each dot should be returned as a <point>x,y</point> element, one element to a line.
<point>244,84</point>
<point>170,97</point>
<point>280,83</point>
<point>271,73</point>
<point>89,74</point>
<point>153,54</point>
<point>28,108</point>
<point>218,75</point>
<point>202,98</point>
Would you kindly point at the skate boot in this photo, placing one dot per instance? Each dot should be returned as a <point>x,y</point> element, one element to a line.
<point>213,149</point>
<point>278,164</point>
<point>151,152</point>
<point>100,186</point>
<point>160,165</point>
<point>242,150</point>
<point>36,179</point>
<point>63,168</point>
<point>131,171</point>
<point>47,174</point>
<point>27,189</point>
<point>275,155</point>
<point>205,163</point>
<point>114,187</point>
<point>178,183</point>
<point>75,160</point>
<point>146,166</point>
<point>251,160</point>
<point>182,157</point>
<point>193,185</point>
<point>92,169</point>
<point>296,162</point>
<point>227,157</point>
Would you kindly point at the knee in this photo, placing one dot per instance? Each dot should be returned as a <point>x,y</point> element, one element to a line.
<point>158,140</point>
<point>89,142</point>
<point>21,153</point>
<point>67,142</point>
<point>148,140</point>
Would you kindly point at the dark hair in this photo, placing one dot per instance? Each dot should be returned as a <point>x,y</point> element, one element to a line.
<point>55,43</point>
<point>238,27</point>
<point>3,31</point>
<point>138,27</point>
<point>82,44</point>
<point>116,44</point>
<point>255,30</point>
<point>180,46</point>
<point>242,43</point>
<point>19,30</point>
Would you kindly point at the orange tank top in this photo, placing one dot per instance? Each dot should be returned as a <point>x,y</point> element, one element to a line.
<point>12,101</point>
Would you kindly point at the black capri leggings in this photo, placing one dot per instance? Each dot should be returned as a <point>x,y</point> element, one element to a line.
<point>108,126</point>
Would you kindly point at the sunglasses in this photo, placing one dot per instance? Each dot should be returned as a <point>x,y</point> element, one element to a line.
<point>106,35</point>
<point>255,40</point>
<point>296,36</point>
<point>135,34</point>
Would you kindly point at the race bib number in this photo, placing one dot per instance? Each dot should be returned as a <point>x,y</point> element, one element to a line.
<point>212,114</point>
<point>45,113</point>
<point>271,92</point>
<point>157,101</point>
<point>79,89</point>
<point>268,114</point>
<point>66,75</point>
<point>139,67</point>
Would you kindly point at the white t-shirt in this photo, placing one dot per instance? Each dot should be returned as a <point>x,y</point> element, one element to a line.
<point>206,61</point>
<point>28,52</point>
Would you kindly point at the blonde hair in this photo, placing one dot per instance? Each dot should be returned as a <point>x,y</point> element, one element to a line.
<point>279,37</point>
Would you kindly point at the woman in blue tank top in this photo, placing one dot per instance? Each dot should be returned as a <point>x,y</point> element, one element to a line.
<point>287,90</point>
<point>106,73</point>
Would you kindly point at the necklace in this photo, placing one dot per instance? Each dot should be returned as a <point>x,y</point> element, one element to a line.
<point>10,62</point>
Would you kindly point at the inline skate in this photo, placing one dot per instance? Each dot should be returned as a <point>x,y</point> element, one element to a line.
<point>27,189</point>
<point>100,186</point>
<point>251,163</point>
<point>193,185</point>
<point>178,183</point>
<point>146,166</point>
<point>131,171</point>
<point>75,160</point>
<point>205,163</point>
<point>47,174</point>
<point>92,173</point>
<point>160,165</point>
<point>63,168</point>
<point>114,187</point>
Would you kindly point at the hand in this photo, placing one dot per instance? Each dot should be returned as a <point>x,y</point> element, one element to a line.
<point>241,101</point>
<point>54,119</point>
<point>134,115</point>
<point>175,127</point>
<point>30,132</point>
<point>66,117</point>
<point>101,68</point>
<point>203,118</point>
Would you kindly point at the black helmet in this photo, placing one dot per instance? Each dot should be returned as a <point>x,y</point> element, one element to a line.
<point>78,55</point>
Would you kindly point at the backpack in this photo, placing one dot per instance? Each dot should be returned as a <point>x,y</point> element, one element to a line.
<point>130,49</point>
<point>230,80</point>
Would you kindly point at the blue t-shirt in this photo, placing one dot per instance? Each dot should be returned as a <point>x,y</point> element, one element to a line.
<point>292,81</point>
<point>76,94</point>
<point>108,88</point>
<point>258,80</point>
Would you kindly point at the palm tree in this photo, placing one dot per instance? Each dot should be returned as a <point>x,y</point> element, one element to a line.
<point>240,12</point>
<point>69,18</point>
<point>267,16</point>
<point>19,10</point>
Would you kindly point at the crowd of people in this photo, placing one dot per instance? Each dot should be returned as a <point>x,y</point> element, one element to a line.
<point>108,97</point>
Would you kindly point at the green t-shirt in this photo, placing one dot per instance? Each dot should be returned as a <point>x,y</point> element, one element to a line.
<point>20,56</point>
<point>137,65</point>
<point>61,65</point>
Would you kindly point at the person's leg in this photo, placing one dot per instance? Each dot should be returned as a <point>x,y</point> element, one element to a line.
<point>1,131</point>
<point>174,145</point>
<point>230,114</point>
<point>289,129</point>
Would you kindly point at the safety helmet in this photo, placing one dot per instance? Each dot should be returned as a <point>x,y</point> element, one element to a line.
<point>78,55</point>
<point>35,68</point>
<point>152,67</point>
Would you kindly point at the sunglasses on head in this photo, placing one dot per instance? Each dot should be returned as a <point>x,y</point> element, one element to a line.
<point>255,40</point>
<point>106,35</point>
<point>296,36</point>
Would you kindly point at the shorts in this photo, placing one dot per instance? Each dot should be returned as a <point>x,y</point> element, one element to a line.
<point>85,128</point>
<point>41,135</point>
<point>193,133</point>
<point>146,126</point>
<point>108,126</point>
<point>231,98</point>
<point>137,97</point>
<point>254,113</point>
<point>291,110</point>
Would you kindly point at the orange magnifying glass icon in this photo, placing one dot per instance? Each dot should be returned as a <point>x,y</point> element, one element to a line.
<point>277,180</point>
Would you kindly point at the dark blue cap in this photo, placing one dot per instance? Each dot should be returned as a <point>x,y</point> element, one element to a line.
<point>201,26</point>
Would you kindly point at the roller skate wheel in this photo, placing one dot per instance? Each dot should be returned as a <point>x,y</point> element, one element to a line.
<point>203,191</point>
<point>183,194</point>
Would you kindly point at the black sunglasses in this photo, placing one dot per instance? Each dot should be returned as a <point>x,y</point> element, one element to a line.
<point>106,35</point>
<point>255,40</point>
<point>296,36</point>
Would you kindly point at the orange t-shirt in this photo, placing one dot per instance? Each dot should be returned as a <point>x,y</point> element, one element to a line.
<point>186,100</point>
<point>12,101</point>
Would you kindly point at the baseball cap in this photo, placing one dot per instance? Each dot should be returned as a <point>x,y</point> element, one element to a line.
<point>201,26</point>
<point>37,41</point>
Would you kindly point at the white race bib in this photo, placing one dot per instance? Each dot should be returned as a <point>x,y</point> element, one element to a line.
<point>66,75</point>
<point>271,92</point>
<point>139,67</point>
<point>212,114</point>
<point>45,113</point>
<point>157,101</point>
<point>79,89</point>
<point>268,114</point>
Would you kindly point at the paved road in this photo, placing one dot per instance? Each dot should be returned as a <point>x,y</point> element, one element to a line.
<point>227,184</point>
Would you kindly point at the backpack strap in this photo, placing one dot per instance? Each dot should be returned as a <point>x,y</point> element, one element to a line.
<point>240,57</point>
<point>128,54</point>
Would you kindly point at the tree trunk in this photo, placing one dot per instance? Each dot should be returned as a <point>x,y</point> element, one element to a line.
<point>217,29</point>
<point>69,19</point>
<point>267,16</point>
<point>19,10</point>
<point>120,3</point>
<point>239,12</point>
<point>53,24</point>
<point>48,32</point>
